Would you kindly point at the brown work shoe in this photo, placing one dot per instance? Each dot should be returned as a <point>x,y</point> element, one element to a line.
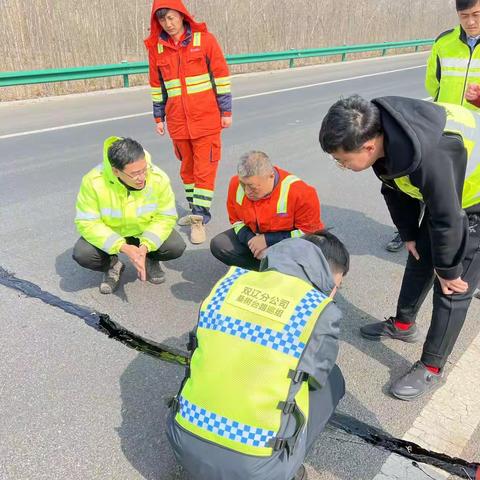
<point>111,277</point>
<point>197,229</point>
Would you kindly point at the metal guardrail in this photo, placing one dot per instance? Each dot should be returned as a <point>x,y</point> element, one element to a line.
<point>125,69</point>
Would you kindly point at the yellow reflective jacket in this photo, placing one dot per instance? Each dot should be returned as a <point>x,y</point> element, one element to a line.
<point>248,369</point>
<point>107,211</point>
<point>452,65</point>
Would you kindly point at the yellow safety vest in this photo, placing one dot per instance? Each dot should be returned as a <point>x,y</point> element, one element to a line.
<point>244,377</point>
<point>466,124</point>
<point>451,67</point>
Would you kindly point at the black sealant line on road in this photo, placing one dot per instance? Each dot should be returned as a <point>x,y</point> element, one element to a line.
<point>374,436</point>
<point>98,321</point>
<point>410,450</point>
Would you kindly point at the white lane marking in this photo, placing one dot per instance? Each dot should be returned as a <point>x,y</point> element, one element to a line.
<point>340,80</point>
<point>73,125</point>
<point>271,92</point>
<point>447,422</point>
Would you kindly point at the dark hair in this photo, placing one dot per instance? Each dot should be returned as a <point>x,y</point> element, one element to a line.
<point>162,12</point>
<point>333,250</point>
<point>349,123</point>
<point>123,152</point>
<point>464,4</point>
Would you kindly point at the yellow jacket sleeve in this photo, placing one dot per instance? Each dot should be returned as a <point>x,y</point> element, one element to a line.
<point>432,84</point>
<point>164,218</point>
<point>89,223</point>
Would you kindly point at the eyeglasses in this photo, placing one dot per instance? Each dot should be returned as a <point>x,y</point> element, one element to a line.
<point>138,175</point>
<point>338,163</point>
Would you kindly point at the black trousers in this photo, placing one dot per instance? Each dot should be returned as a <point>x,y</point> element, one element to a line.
<point>449,311</point>
<point>91,257</point>
<point>228,249</point>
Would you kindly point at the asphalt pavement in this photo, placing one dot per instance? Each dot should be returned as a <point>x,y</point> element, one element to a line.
<point>75,404</point>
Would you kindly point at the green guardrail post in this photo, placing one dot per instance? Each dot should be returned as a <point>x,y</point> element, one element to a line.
<point>384,52</point>
<point>344,56</point>
<point>126,82</point>
<point>291,63</point>
<point>416,48</point>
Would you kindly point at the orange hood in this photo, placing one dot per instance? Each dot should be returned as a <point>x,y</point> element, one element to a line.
<point>156,29</point>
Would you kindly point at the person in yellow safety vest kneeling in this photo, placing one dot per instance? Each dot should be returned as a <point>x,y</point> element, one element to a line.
<point>262,381</point>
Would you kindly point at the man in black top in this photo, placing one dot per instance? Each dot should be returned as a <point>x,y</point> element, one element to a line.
<point>425,154</point>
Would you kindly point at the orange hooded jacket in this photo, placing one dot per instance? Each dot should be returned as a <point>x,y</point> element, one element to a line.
<point>190,81</point>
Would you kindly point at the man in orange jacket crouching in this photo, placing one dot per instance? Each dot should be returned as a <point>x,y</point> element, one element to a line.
<point>191,93</point>
<point>265,205</point>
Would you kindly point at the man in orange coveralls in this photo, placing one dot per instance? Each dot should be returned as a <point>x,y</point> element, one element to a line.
<point>191,92</point>
<point>265,205</point>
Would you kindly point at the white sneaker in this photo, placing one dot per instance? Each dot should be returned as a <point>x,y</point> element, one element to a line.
<point>185,220</point>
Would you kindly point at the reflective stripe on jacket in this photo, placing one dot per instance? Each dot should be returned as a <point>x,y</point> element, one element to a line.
<point>451,67</point>
<point>107,211</point>
<point>245,378</point>
<point>467,125</point>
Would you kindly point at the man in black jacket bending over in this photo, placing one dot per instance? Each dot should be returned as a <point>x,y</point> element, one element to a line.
<point>430,153</point>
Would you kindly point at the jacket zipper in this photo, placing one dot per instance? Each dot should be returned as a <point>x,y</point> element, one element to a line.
<point>184,87</point>
<point>466,75</point>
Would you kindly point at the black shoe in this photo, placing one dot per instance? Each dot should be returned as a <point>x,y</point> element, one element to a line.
<point>301,474</point>
<point>477,293</point>
<point>155,273</point>
<point>395,244</point>
<point>375,331</point>
<point>415,383</point>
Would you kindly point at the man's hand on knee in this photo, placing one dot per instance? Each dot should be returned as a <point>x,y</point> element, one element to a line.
<point>257,245</point>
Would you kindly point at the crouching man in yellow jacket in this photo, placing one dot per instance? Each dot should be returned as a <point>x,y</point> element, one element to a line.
<point>126,204</point>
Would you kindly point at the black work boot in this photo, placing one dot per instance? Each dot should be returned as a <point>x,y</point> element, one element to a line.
<point>395,244</point>
<point>375,331</point>
<point>111,277</point>
<point>155,274</point>
<point>418,381</point>
<point>301,474</point>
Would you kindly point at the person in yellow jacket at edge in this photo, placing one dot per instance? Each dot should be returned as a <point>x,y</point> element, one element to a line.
<point>262,382</point>
<point>126,205</point>
<point>453,64</point>
<point>469,14</point>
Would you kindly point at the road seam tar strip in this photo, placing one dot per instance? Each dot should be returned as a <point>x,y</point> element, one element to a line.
<point>253,95</point>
